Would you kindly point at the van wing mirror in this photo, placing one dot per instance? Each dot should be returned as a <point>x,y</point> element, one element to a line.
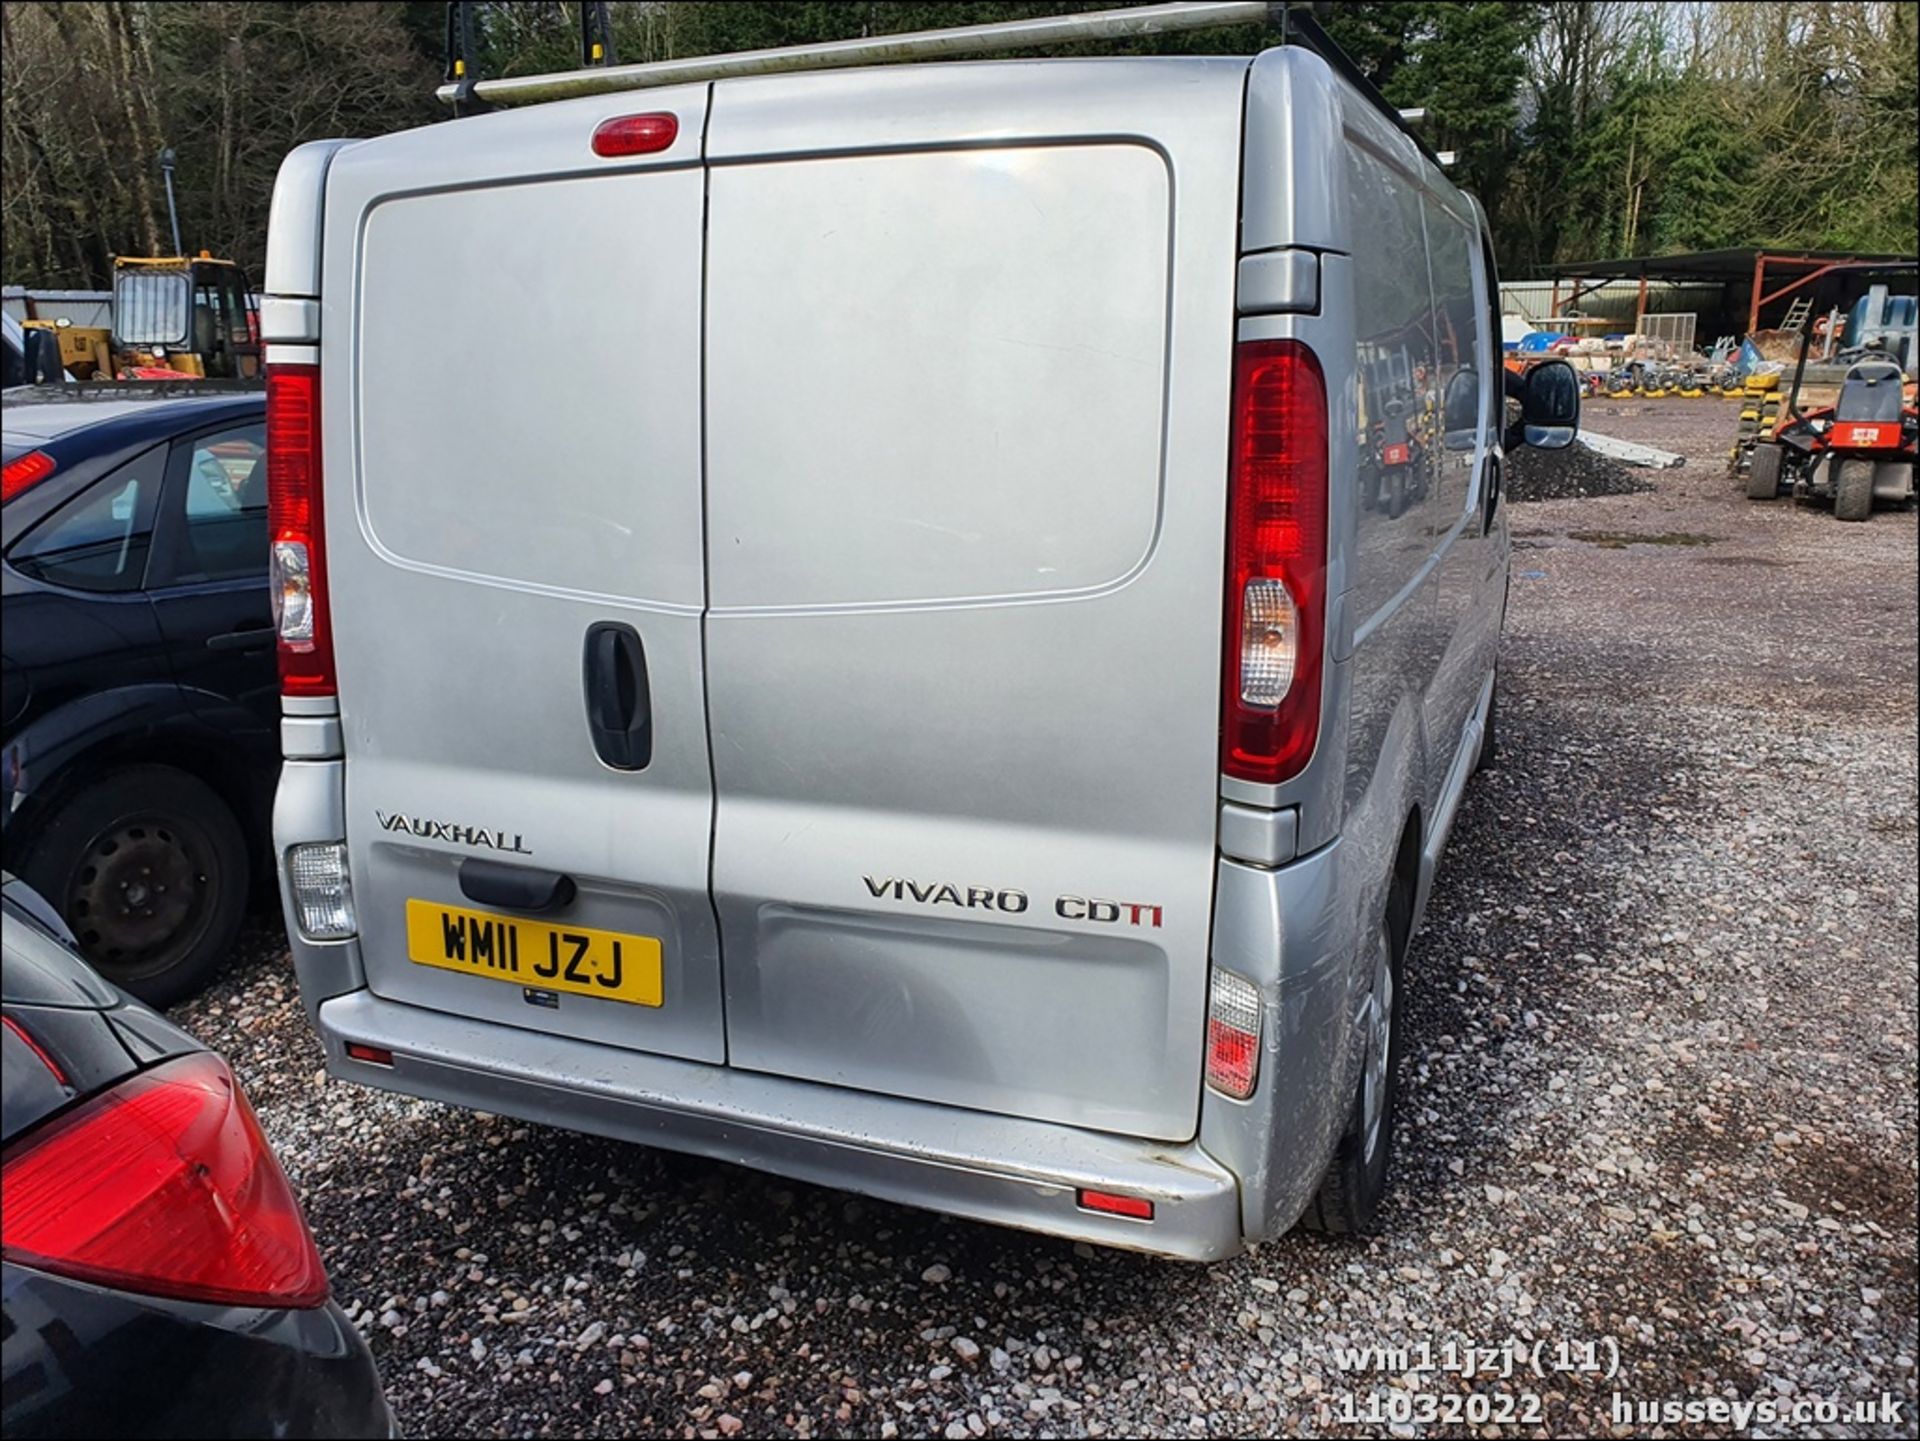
<point>1549,396</point>
<point>1460,410</point>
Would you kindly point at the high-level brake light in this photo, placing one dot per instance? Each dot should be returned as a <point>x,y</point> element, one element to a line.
<point>636,134</point>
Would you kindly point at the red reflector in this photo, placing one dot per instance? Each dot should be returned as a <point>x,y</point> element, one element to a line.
<point>297,560</point>
<point>164,1186</point>
<point>26,472</point>
<point>1130,1206</point>
<point>372,1055</point>
<point>636,134</point>
<point>1276,562</point>
<point>59,1076</point>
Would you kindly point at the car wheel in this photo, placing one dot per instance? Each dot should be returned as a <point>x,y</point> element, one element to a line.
<point>1853,489</point>
<point>1356,1178</point>
<point>149,867</point>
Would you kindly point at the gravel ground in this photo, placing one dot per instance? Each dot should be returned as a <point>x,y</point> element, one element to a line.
<point>1660,1088</point>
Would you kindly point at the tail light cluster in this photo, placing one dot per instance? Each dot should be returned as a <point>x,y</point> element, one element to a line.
<point>25,473</point>
<point>297,560</point>
<point>1276,561</point>
<point>163,1186</point>
<point>1233,1035</point>
<point>321,884</point>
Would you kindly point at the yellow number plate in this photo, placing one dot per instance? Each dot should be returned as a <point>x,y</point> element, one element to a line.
<point>607,964</point>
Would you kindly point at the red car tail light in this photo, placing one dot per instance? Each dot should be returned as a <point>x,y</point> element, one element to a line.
<point>25,472</point>
<point>297,560</point>
<point>165,1186</point>
<point>1276,561</point>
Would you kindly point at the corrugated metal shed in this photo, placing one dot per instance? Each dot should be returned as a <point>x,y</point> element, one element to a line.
<point>81,307</point>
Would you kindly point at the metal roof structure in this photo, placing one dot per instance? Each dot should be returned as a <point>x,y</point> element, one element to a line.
<point>1292,24</point>
<point>1746,265</point>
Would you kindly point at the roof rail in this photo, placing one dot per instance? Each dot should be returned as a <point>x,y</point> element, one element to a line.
<point>1295,24</point>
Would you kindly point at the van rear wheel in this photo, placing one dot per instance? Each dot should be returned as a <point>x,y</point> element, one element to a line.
<point>1356,1178</point>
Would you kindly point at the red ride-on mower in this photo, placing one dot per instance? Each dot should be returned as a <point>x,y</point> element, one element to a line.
<point>1858,450</point>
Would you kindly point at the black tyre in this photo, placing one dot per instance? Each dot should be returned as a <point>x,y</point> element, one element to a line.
<point>1763,474</point>
<point>1356,1178</point>
<point>1853,489</point>
<point>149,867</point>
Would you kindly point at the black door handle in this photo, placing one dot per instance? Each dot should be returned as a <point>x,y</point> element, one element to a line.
<point>520,888</point>
<point>619,700</point>
<point>257,638</point>
<point>1491,501</point>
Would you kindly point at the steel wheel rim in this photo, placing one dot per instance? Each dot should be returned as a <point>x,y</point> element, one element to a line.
<point>141,894</point>
<point>1375,1079</point>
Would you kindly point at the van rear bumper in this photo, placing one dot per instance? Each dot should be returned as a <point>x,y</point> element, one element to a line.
<point>992,1168</point>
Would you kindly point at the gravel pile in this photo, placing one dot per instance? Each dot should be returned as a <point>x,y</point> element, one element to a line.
<point>1571,474</point>
<point>1660,1089</point>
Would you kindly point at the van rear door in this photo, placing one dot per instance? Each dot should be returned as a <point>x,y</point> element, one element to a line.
<point>967,388</point>
<point>511,402</point>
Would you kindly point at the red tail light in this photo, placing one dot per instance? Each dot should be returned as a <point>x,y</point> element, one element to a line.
<point>163,1186</point>
<point>298,559</point>
<point>1276,561</point>
<point>25,473</point>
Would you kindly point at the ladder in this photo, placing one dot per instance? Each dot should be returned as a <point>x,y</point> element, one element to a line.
<point>1797,313</point>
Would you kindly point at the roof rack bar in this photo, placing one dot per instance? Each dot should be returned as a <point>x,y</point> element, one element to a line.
<point>876,49</point>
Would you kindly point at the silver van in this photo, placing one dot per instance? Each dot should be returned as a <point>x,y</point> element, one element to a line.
<point>921,628</point>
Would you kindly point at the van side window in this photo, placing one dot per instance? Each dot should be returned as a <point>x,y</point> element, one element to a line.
<point>1458,347</point>
<point>99,540</point>
<point>1395,367</point>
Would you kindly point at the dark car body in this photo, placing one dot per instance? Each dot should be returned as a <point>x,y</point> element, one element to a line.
<point>137,627</point>
<point>84,1359</point>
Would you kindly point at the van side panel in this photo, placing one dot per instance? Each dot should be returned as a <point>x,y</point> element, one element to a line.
<point>1471,564</point>
<point>1393,572</point>
<point>967,409</point>
<point>1326,173</point>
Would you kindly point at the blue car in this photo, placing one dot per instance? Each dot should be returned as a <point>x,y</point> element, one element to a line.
<point>139,704</point>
